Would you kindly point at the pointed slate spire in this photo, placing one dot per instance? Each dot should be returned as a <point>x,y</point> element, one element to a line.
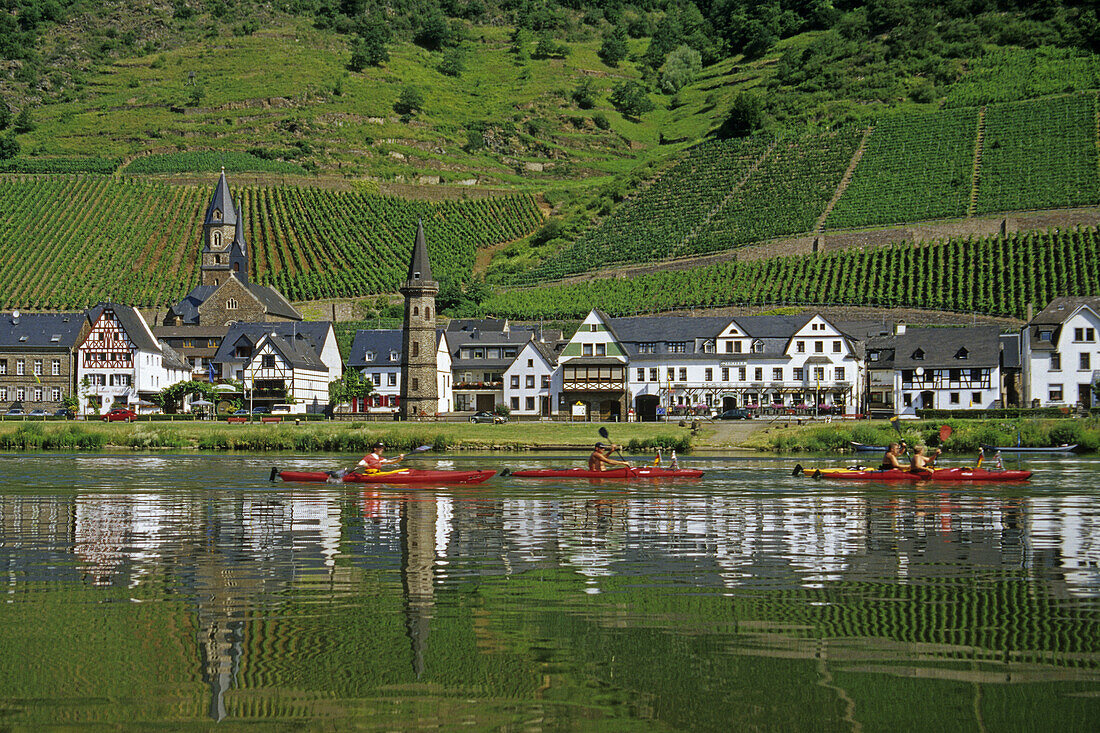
<point>419,267</point>
<point>238,232</point>
<point>221,201</point>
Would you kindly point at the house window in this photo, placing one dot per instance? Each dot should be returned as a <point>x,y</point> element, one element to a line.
<point>267,361</point>
<point>601,349</point>
<point>725,374</point>
<point>20,367</point>
<point>670,374</point>
<point>975,398</point>
<point>231,304</point>
<point>376,379</point>
<point>653,374</point>
<point>647,347</point>
<point>819,347</point>
<point>683,374</point>
<point>907,399</point>
<point>515,403</point>
<point>1078,335</point>
<point>391,379</point>
<point>515,381</point>
<point>708,347</point>
<point>729,347</point>
<point>20,394</point>
<point>708,374</point>
<point>741,374</point>
<point>976,375</point>
<point>954,375</point>
<point>530,363</point>
<point>641,374</point>
<point>819,373</point>
<point>1055,394</point>
<point>529,404</point>
<point>55,394</point>
<point>677,347</point>
<point>394,356</point>
<point>530,381</point>
<point>954,399</point>
<point>37,394</point>
<point>800,347</point>
<point>546,381</point>
<point>836,347</point>
<point>797,375</point>
<point>737,347</point>
<point>758,347</point>
<point>38,367</point>
<point>586,350</point>
<point>758,374</point>
<point>1055,362</point>
<point>3,366</point>
<point>3,394</point>
<point>839,371</point>
<point>1085,361</point>
<point>777,374</point>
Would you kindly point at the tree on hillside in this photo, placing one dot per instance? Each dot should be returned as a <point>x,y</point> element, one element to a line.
<point>23,121</point>
<point>454,62</point>
<point>614,48</point>
<point>548,48</point>
<point>434,32</point>
<point>369,49</point>
<point>745,116</point>
<point>521,43</point>
<point>631,98</point>
<point>9,146</point>
<point>680,69</point>
<point>409,102</point>
<point>5,115</point>
<point>583,95</point>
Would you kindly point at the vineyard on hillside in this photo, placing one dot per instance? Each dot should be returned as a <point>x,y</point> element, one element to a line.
<point>1010,74</point>
<point>993,275</point>
<point>71,241</point>
<point>915,167</point>
<point>1039,154</point>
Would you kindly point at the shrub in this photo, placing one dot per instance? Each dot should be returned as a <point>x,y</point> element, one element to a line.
<point>600,120</point>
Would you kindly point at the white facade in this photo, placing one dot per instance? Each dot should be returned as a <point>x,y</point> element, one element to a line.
<point>1063,361</point>
<point>305,379</point>
<point>532,384</point>
<point>382,366</point>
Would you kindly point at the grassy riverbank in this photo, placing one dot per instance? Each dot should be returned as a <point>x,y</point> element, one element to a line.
<point>335,437</point>
<point>966,435</point>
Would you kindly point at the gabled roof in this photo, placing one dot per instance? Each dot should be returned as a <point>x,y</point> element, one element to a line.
<point>419,264</point>
<point>132,322</point>
<point>297,350</point>
<point>1062,308</point>
<point>172,359</point>
<point>381,341</point>
<point>314,333</point>
<point>187,310</point>
<point>38,330</point>
<point>942,345</point>
<point>221,201</point>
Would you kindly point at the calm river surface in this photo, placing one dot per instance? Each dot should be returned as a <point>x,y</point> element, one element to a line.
<point>175,591</point>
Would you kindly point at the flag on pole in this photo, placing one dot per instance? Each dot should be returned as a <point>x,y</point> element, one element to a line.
<point>210,368</point>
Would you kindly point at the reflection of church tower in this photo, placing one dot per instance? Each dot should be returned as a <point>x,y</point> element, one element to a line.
<point>418,573</point>
<point>419,390</point>
<point>224,249</point>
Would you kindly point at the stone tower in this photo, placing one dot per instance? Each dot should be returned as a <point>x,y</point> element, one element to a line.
<point>419,390</point>
<point>221,230</point>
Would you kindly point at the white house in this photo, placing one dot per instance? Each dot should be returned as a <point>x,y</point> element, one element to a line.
<point>593,365</point>
<point>1062,357</point>
<point>120,362</point>
<point>376,353</point>
<point>532,382</point>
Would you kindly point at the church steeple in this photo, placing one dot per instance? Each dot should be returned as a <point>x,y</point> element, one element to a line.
<point>238,253</point>
<point>419,360</point>
<point>221,227</point>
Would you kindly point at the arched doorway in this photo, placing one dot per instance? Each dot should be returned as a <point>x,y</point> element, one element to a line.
<point>645,407</point>
<point>728,402</point>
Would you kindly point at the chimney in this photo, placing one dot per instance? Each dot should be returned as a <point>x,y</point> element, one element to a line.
<point>899,328</point>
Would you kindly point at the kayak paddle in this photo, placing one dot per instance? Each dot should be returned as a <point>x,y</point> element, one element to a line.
<point>604,434</point>
<point>344,471</point>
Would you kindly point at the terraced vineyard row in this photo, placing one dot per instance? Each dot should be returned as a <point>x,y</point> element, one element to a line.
<point>994,275</point>
<point>1010,74</point>
<point>1039,154</point>
<point>69,241</point>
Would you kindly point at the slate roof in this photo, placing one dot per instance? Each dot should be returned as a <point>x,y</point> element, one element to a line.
<point>172,358</point>
<point>312,333</point>
<point>419,262</point>
<point>480,324</point>
<point>223,201</point>
<point>1062,308</point>
<point>37,330</point>
<point>187,310</point>
<point>940,346</point>
<point>1010,350</point>
<point>132,323</point>
<point>298,350</point>
<point>379,340</point>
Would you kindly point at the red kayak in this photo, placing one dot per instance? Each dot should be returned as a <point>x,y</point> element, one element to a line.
<point>940,474</point>
<point>641,472</point>
<point>400,476</point>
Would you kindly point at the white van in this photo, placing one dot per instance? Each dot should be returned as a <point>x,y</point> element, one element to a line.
<point>280,409</point>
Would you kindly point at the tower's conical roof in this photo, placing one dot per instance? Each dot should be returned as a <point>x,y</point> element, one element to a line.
<point>238,232</point>
<point>419,267</point>
<point>221,201</point>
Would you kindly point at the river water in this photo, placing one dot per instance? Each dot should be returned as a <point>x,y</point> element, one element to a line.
<point>174,591</point>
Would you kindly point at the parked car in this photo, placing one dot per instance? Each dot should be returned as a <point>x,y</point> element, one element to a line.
<point>280,409</point>
<point>488,417</point>
<point>119,414</point>
<point>64,412</point>
<point>736,413</point>
<point>243,412</point>
<point>37,413</point>
<point>260,410</point>
<point>15,412</point>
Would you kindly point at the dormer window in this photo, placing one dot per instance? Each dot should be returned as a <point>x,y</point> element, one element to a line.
<point>962,353</point>
<point>394,356</point>
<point>873,355</point>
<point>369,356</point>
<point>217,215</point>
<point>1046,335</point>
<point>918,355</point>
<point>708,347</point>
<point>757,346</point>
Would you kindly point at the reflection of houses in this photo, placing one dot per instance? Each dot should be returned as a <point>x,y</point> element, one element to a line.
<point>376,353</point>
<point>120,360</point>
<point>290,363</point>
<point>1061,342</point>
<point>38,358</point>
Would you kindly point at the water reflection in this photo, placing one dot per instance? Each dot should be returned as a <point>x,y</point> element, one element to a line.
<point>328,603</point>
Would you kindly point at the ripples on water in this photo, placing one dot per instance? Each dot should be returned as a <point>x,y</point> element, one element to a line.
<point>180,590</point>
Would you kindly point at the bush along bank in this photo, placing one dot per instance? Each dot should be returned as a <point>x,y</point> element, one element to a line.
<point>966,436</point>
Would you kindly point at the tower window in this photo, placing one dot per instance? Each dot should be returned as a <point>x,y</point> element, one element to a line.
<point>427,312</point>
<point>416,348</point>
<point>216,240</point>
<point>236,267</point>
<point>415,384</point>
<point>217,215</point>
<point>416,276</point>
<point>416,310</point>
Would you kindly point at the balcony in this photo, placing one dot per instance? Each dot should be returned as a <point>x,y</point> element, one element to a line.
<point>478,385</point>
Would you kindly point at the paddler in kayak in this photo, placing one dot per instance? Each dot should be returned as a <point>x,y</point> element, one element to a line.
<point>600,461</point>
<point>921,463</point>
<point>890,459</point>
<point>373,461</point>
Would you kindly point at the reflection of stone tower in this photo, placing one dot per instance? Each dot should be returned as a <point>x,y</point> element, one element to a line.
<point>418,573</point>
<point>419,391</point>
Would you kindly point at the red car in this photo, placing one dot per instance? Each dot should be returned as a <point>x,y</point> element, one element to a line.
<point>123,414</point>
